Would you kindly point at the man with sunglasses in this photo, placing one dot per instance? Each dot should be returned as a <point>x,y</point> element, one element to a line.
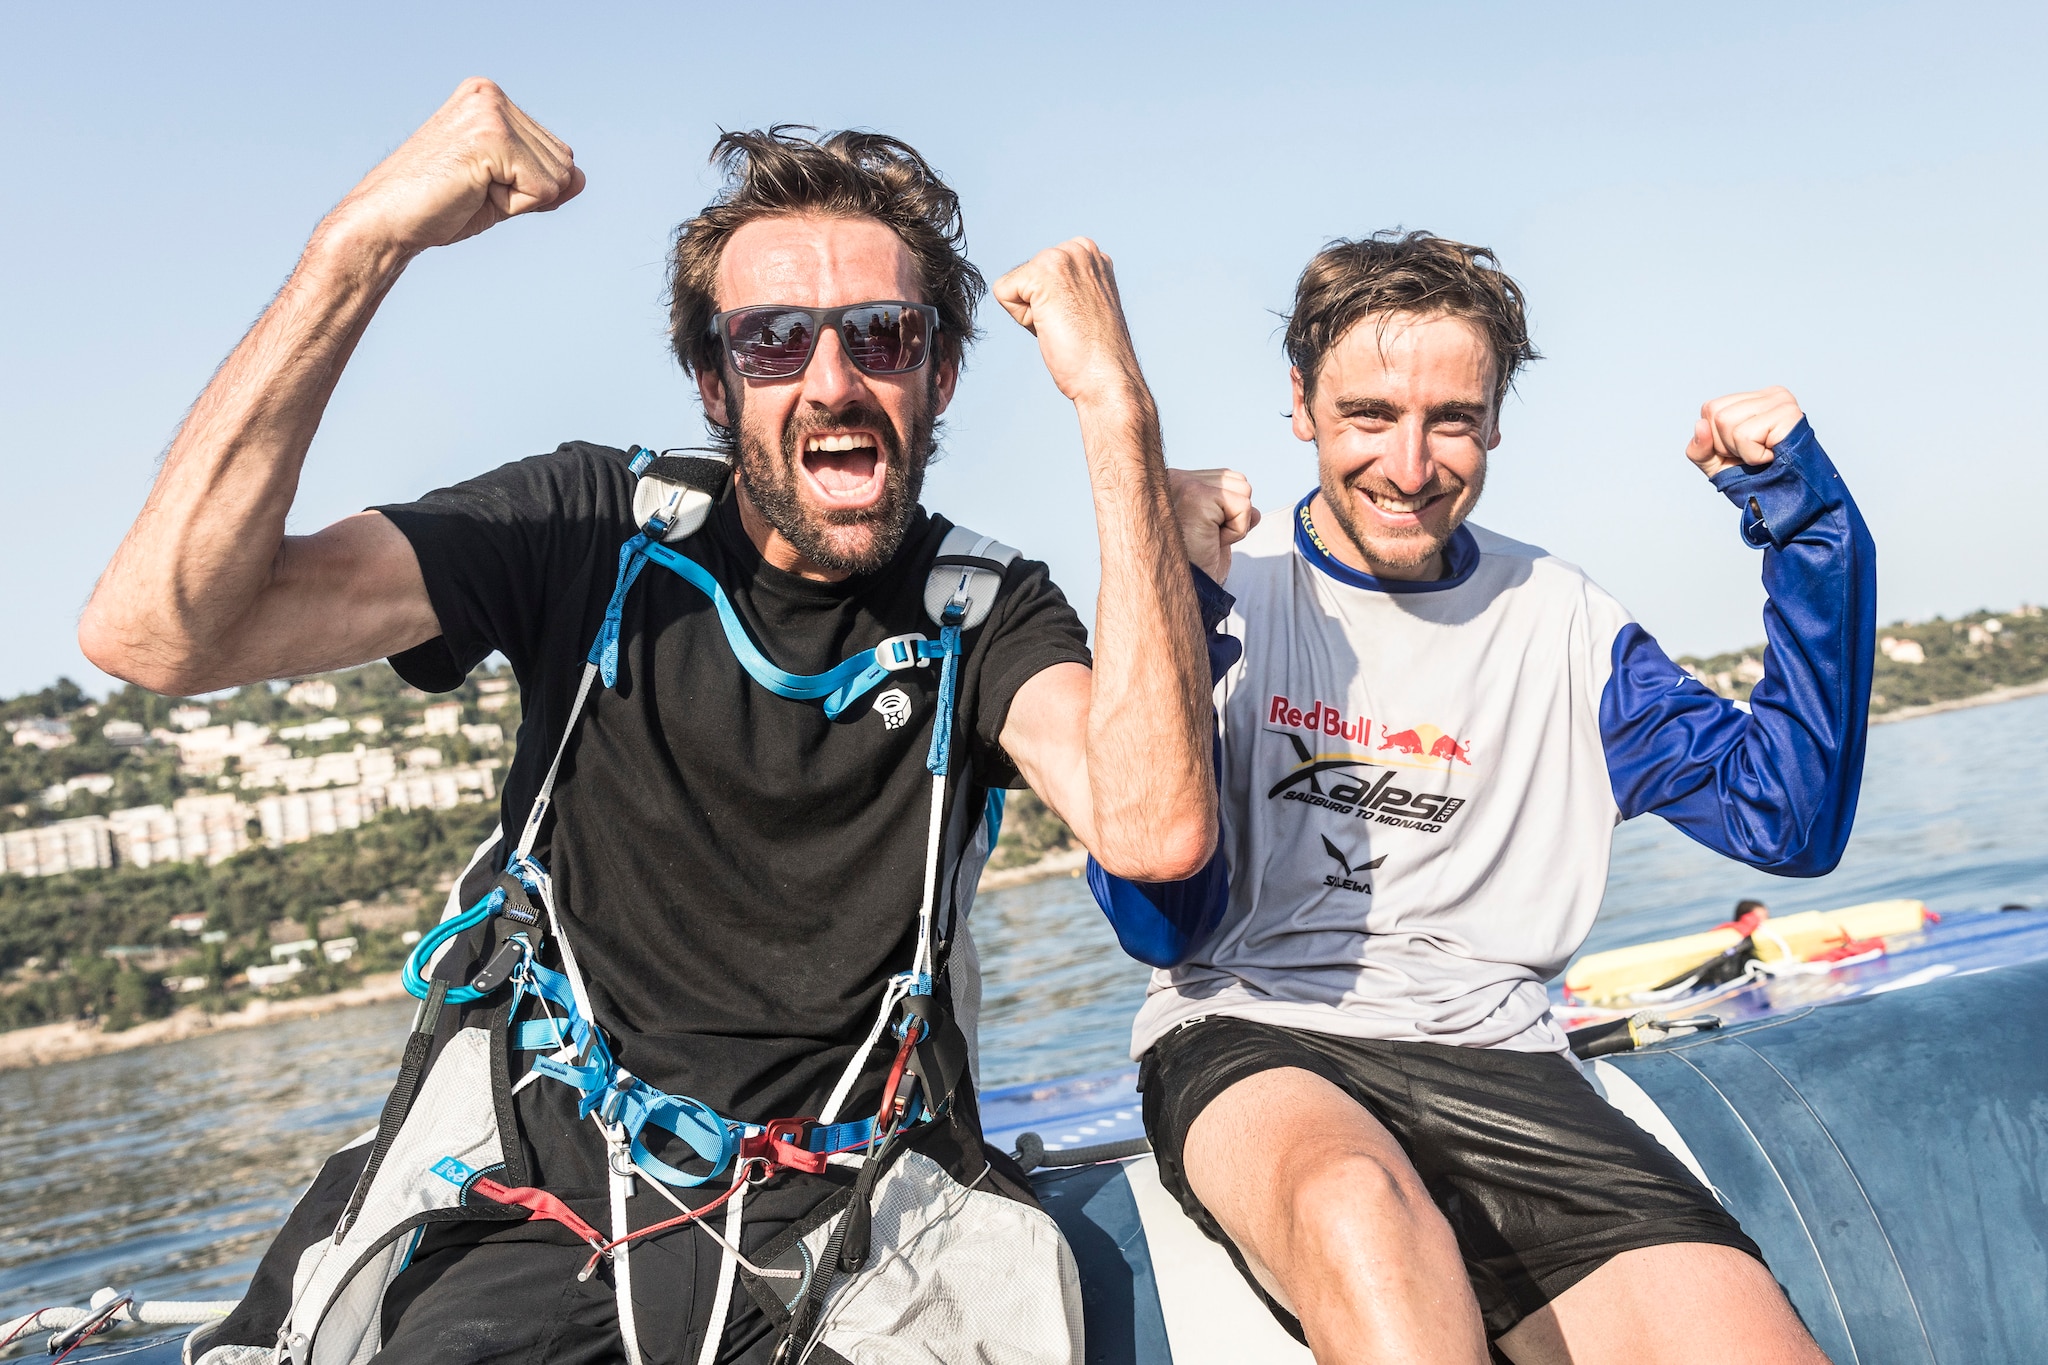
<point>739,870</point>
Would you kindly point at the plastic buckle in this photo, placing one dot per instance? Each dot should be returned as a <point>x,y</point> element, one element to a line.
<point>785,1142</point>
<point>899,652</point>
<point>955,610</point>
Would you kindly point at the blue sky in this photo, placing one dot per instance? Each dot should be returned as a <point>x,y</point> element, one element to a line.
<point>1844,199</point>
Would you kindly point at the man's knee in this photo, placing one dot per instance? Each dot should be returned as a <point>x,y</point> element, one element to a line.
<point>1353,1203</point>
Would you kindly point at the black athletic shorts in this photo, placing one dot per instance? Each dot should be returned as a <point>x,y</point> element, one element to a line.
<point>1540,1179</point>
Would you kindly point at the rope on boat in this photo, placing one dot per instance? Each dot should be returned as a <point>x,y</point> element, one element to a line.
<point>1032,1153</point>
<point>155,1313</point>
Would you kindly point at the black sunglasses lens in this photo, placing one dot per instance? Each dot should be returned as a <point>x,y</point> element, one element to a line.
<point>885,338</point>
<point>769,343</point>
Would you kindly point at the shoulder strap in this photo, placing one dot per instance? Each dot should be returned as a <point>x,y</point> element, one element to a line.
<point>969,570</point>
<point>676,489</point>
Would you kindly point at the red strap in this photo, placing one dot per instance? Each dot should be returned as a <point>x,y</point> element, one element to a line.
<point>543,1205</point>
<point>772,1144</point>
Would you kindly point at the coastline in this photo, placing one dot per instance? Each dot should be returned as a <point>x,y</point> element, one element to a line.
<point>75,1040</point>
<point>1991,698</point>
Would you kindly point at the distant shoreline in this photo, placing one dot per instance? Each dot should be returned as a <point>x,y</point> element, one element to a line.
<point>1991,698</point>
<point>75,1040</point>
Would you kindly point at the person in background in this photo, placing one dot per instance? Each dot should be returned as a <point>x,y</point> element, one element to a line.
<point>1428,731</point>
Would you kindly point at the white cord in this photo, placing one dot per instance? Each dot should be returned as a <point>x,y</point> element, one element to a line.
<point>157,1313</point>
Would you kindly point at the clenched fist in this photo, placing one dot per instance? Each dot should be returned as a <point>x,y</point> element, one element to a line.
<point>1214,510</point>
<point>1066,297</point>
<point>478,161</point>
<point>1741,429</point>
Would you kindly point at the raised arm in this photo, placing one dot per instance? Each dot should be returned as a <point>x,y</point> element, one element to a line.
<point>206,590</point>
<point>1120,752</point>
<point>1774,786</point>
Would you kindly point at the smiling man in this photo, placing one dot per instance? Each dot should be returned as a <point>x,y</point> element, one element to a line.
<point>719,956</point>
<point>1351,1074</point>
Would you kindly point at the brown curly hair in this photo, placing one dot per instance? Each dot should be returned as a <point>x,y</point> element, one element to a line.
<point>841,175</point>
<point>1417,273</point>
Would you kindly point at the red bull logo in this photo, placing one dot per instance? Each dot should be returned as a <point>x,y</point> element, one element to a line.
<point>1319,717</point>
<point>1426,741</point>
<point>1404,741</point>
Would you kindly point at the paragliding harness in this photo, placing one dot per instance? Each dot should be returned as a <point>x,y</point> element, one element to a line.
<point>438,1166</point>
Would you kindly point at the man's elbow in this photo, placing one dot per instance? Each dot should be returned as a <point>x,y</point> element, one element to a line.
<point>1170,852</point>
<point>122,653</point>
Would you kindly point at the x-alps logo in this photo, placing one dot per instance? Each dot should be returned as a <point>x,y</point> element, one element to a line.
<point>1345,881</point>
<point>894,708</point>
<point>1363,787</point>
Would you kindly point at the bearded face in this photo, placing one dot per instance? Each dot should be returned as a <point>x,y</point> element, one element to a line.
<point>840,487</point>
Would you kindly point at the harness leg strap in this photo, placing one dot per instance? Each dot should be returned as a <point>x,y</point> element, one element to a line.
<point>622,1265</point>
<point>728,1271</point>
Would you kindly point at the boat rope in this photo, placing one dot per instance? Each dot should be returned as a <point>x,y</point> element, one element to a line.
<point>154,1313</point>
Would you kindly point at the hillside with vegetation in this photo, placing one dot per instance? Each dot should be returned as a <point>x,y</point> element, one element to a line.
<point>1919,663</point>
<point>132,940</point>
<point>125,943</point>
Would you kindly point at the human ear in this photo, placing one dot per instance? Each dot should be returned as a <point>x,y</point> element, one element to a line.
<point>1304,424</point>
<point>711,390</point>
<point>944,380</point>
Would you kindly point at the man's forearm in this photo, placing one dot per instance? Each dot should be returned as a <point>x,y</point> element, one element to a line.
<point>208,540</point>
<point>1151,789</point>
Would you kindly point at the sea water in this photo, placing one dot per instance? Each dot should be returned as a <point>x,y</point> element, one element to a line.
<point>164,1171</point>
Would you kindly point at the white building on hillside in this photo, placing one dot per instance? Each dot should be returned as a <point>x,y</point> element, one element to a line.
<point>317,693</point>
<point>213,827</point>
<point>66,846</point>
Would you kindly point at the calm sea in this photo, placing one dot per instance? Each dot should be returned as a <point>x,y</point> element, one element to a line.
<point>165,1170</point>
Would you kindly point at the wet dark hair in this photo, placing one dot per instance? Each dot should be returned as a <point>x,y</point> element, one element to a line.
<point>841,175</point>
<point>1416,273</point>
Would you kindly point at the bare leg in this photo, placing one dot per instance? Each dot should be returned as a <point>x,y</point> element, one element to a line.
<point>1332,1218</point>
<point>1682,1303</point>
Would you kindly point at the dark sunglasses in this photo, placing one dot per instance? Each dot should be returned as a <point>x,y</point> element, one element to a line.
<point>775,341</point>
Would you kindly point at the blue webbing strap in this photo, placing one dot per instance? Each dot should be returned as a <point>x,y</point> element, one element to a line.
<point>604,650</point>
<point>634,1104</point>
<point>942,723</point>
<point>840,686</point>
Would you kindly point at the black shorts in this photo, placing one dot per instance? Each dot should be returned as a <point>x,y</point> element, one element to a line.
<point>1540,1179</point>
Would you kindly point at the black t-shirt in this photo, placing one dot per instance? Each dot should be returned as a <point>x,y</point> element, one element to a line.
<point>738,875</point>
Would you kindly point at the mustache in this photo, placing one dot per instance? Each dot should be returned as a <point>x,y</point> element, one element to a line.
<point>1441,483</point>
<point>802,427</point>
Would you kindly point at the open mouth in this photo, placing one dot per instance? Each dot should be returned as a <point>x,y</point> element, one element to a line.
<point>844,468</point>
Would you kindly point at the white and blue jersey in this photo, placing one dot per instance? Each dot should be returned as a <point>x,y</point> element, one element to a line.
<point>1420,781</point>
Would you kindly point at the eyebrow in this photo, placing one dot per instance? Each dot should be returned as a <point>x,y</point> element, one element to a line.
<point>1383,408</point>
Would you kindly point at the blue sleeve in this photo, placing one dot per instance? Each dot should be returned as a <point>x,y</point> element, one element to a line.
<point>1774,787</point>
<point>1163,923</point>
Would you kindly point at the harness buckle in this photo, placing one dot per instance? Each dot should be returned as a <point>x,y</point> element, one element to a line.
<point>899,652</point>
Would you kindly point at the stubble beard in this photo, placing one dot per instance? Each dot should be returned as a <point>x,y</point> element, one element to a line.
<point>850,540</point>
<point>1401,552</point>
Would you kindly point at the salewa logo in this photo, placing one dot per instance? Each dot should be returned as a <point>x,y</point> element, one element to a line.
<point>1345,882</point>
<point>894,708</point>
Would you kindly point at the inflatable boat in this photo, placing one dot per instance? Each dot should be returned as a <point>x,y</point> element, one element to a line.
<point>1879,1124</point>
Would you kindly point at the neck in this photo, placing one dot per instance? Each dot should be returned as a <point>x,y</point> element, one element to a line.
<point>1347,551</point>
<point>776,550</point>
